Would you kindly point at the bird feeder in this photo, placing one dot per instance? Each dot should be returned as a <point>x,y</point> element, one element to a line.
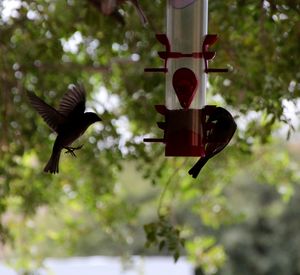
<point>185,57</point>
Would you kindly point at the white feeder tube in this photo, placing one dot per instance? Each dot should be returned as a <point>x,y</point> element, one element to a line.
<point>186,30</point>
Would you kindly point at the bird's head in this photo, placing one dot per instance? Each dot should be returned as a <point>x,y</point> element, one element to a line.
<point>220,115</point>
<point>91,118</point>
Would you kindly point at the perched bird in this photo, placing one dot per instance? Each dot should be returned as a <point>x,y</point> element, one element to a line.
<point>110,7</point>
<point>221,129</point>
<point>69,121</point>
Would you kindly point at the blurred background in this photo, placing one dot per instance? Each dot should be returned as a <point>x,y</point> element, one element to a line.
<point>121,197</point>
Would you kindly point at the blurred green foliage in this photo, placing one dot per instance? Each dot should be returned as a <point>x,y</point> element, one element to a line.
<point>244,203</point>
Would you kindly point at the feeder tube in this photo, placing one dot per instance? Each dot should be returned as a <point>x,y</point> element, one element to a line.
<point>186,29</point>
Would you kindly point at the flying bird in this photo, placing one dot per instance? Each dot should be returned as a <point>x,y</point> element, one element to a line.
<point>220,134</point>
<point>110,7</point>
<point>69,122</point>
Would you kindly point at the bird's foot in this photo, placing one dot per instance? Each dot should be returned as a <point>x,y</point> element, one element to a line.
<point>72,149</point>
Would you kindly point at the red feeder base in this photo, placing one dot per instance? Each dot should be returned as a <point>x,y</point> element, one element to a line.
<point>184,133</point>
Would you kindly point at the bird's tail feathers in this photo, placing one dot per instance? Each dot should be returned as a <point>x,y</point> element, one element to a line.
<point>52,165</point>
<point>195,170</point>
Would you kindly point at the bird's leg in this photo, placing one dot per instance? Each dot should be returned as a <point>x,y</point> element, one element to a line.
<point>72,149</point>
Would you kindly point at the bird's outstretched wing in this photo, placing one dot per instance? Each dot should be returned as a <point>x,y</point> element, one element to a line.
<point>73,102</point>
<point>51,116</point>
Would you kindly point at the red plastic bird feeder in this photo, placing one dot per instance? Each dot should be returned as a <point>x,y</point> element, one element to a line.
<point>185,55</point>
